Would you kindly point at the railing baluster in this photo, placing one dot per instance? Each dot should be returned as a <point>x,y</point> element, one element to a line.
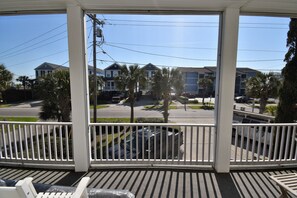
<point>21,141</point>
<point>32,142</point>
<point>9,141</point>
<point>259,143</point>
<point>119,144</point>
<point>137,142</point>
<point>178,152</point>
<point>131,149</point>
<point>2,143</point>
<point>243,128</point>
<point>161,144</point>
<point>26,143</point>
<point>293,140</point>
<point>106,142</point>
<point>112,142</point>
<point>248,143</point>
<point>43,142</point>
<point>203,143</point>
<point>167,146</point>
<point>61,143</point>
<point>185,144</point>
<point>149,143</point>
<point>155,143</point>
<point>236,143</point>
<point>197,143</point>
<point>282,143</point>
<point>172,145</point>
<point>276,143</point>
<point>264,144</point>
<point>101,146</point>
<point>125,144</point>
<point>209,143</point>
<point>93,129</point>
<point>287,143</point>
<point>254,143</point>
<point>191,145</point>
<point>55,143</point>
<point>271,143</point>
<point>67,142</point>
<point>49,142</point>
<point>37,142</point>
<point>15,142</point>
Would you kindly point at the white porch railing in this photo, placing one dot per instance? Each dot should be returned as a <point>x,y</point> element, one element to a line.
<point>270,144</point>
<point>35,142</point>
<point>147,144</point>
<point>186,144</point>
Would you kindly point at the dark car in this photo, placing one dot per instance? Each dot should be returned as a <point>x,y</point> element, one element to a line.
<point>151,141</point>
<point>242,99</point>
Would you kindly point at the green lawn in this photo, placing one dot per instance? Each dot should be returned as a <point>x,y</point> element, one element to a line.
<point>19,119</point>
<point>112,120</point>
<point>99,106</point>
<point>4,105</point>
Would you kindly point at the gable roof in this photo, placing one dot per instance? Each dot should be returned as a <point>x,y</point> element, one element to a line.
<point>151,67</point>
<point>114,66</point>
<point>193,69</point>
<point>246,70</point>
<point>49,66</point>
<point>97,69</point>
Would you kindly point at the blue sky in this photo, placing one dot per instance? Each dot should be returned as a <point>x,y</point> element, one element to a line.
<point>165,40</point>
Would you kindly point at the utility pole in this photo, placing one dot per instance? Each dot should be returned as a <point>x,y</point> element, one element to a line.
<point>95,69</point>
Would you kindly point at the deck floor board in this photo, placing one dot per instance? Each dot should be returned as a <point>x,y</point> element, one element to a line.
<point>160,182</point>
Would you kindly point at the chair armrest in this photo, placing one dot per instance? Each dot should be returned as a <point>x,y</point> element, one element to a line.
<point>81,190</point>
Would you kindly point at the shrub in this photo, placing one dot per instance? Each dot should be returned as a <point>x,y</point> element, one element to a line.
<point>271,109</point>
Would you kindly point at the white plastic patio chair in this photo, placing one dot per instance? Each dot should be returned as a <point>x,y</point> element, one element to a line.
<point>25,189</point>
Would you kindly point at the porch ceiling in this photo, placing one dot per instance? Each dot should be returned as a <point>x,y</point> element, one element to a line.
<point>287,7</point>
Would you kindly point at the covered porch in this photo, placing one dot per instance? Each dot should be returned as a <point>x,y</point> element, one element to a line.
<point>213,146</point>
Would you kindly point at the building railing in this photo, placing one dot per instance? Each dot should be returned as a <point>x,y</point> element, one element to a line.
<point>272,144</point>
<point>147,144</point>
<point>31,142</point>
<point>181,144</point>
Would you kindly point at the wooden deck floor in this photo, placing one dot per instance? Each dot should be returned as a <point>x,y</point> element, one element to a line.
<point>162,183</point>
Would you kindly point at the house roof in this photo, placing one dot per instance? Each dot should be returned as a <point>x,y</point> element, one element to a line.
<point>193,69</point>
<point>114,66</point>
<point>97,69</point>
<point>246,70</point>
<point>49,66</point>
<point>150,67</point>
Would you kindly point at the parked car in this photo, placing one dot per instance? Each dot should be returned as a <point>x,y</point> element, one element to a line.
<point>253,131</point>
<point>148,142</point>
<point>242,99</point>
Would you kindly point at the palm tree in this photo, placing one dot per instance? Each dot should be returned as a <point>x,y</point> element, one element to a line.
<point>54,90</point>
<point>128,79</point>
<point>6,77</point>
<point>205,83</point>
<point>263,86</point>
<point>24,80</point>
<point>100,83</point>
<point>164,80</point>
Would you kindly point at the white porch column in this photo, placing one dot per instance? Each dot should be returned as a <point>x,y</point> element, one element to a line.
<point>79,86</point>
<point>226,72</point>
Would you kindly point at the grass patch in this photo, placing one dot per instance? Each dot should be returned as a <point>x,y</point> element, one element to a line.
<point>5,105</point>
<point>172,107</point>
<point>194,106</point>
<point>112,120</point>
<point>99,106</point>
<point>19,119</point>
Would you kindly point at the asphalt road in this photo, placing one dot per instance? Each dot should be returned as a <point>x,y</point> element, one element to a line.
<point>122,111</point>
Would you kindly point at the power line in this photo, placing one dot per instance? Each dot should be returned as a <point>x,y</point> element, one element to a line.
<point>37,58</point>
<point>185,47</point>
<point>104,52</point>
<point>40,35</point>
<point>185,58</point>
<point>161,55</point>
<point>190,26</point>
<point>33,48</point>
<point>189,22</point>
